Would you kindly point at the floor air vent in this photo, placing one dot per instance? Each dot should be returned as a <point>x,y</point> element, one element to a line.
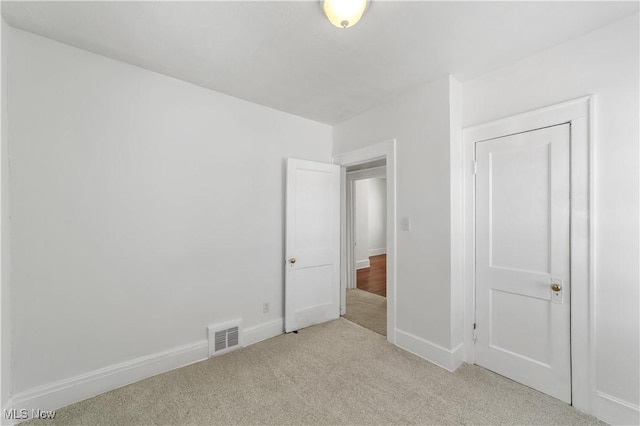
<point>224,337</point>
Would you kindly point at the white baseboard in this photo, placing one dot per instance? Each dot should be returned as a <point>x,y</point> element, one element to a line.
<point>457,357</point>
<point>59,394</point>
<point>361,264</point>
<point>263,332</point>
<point>68,391</point>
<point>378,251</point>
<point>616,411</point>
<point>448,359</point>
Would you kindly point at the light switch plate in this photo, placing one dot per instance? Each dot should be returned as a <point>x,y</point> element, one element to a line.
<point>405,223</point>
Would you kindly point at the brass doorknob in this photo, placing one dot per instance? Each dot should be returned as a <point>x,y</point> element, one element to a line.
<point>292,260</point>
<point>556,287</point>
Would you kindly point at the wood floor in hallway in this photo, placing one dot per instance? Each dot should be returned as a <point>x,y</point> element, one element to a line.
<point>374,278</point>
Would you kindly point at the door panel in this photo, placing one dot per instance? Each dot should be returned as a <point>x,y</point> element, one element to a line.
<point>522,245</point>
<point>528,317</point>
<point>312,277</point>
<point>520,180</point>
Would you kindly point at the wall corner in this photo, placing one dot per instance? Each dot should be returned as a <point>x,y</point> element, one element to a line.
<point>456,219</point>
<point>5,293</point>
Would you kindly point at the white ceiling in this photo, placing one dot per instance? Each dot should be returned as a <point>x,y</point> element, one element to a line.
<point>286,55</point>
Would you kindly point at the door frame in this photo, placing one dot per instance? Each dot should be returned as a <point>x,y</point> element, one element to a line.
<point>383,150</point>
<point>352,177</point>
<point>579,113</point>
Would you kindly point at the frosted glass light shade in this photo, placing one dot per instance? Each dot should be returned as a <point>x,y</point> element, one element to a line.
<point>344,13</point>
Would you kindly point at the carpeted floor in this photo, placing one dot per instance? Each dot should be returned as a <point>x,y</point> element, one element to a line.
<point>334,373</point>
<point>367,309</point>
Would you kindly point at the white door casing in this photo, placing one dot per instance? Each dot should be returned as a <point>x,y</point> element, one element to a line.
<point>386,150</point>
<point>522,249</point>
<point>312,244</point>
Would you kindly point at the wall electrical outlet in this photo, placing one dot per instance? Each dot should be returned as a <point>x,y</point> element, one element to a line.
<point>265,307</point>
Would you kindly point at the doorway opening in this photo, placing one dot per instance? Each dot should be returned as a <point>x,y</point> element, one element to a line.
<point>372,162</point>
<point>366,301</point>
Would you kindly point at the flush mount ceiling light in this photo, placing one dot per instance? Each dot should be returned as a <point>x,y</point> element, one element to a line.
<point>344,13</point>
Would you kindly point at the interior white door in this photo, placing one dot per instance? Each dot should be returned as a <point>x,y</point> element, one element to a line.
<point>523,259</point>
<point>312,277</point>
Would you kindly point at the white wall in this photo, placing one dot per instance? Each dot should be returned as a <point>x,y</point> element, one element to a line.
<point>603,63</point>
<point>377,216</point>
<point>143,209</point>
<point>370,219</point>
<point>361,219</point>
<point>5,251</point>
<point>419,121</point>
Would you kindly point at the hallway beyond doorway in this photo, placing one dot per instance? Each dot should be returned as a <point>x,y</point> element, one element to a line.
<point>367,304</point>
<point>367,310</point>
<point>374,278</point>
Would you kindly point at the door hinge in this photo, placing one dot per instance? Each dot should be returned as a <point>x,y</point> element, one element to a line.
<point>475,168</point>
<point>475,332</point>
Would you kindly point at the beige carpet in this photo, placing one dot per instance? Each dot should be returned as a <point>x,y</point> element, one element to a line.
<point>367,309</point>
<point>335,373</point>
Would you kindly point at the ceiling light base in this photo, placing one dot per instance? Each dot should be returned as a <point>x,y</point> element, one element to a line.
<point>344,13</point>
